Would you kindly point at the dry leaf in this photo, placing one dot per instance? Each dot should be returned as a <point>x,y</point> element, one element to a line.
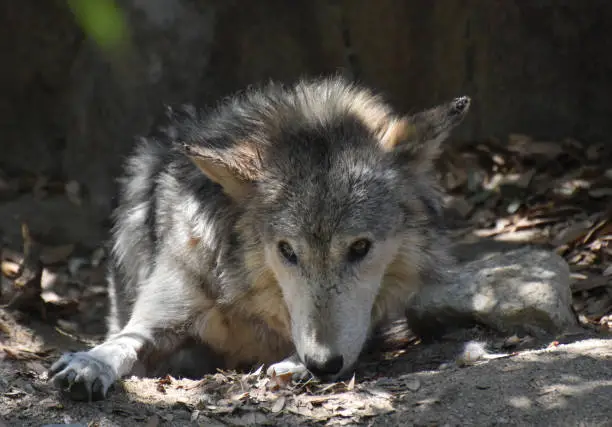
<point>240,397</point>
<point>278,405</point>
<point>599,193</point>
<point>606,321</point>
<point>525,146</point>
<point>165,380</point>
<point>315,400</point>
<point>599,307</point>
<point>15,393</point>
<point>351,384</point>
<point>588,283</point>
<point>10,269</point>
<point>518,141</point>
<point>573,232</point>
<point>280,381</point>
<point>20,354</point>
<point>528,236</point>
<point>4,328</point>
<point>257,372</point>
<point>51,403</point>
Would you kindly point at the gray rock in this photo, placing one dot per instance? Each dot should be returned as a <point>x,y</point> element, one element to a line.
<point>520,291</point>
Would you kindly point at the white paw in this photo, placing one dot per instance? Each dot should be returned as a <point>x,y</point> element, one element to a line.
<point>289,366</point>
<point>82,376</point>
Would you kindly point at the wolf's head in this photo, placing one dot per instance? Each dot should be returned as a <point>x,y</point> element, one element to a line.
<point>337,203</point>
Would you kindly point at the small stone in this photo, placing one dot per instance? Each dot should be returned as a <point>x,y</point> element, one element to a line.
<point>413,385</point>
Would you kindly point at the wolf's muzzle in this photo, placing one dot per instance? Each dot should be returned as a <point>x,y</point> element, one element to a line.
<point>326,366</point>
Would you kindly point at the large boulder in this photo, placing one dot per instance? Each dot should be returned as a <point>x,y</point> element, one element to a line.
<point>521,291</point>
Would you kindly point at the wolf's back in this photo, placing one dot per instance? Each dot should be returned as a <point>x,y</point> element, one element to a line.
<point>133,234</point>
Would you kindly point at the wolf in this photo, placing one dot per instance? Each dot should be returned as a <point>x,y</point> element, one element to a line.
<point>279,227</point>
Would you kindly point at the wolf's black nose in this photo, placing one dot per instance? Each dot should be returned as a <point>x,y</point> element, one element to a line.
<point>328,366</point>
<point>460,104</point>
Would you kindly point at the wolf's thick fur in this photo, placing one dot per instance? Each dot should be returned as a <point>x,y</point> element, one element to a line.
<point>280,228</point>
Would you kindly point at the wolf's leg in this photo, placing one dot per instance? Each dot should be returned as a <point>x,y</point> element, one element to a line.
<point>162,305</point>
<point>291,365</point>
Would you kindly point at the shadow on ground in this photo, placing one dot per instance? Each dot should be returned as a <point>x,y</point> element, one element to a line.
<point>410,384</point>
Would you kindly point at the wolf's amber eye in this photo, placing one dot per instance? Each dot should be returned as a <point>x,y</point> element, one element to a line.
<point>359,249</point>
<point>287,252</point>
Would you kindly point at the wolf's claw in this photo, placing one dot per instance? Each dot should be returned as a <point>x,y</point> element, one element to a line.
<point>291,365</point>
<point>82,376</point>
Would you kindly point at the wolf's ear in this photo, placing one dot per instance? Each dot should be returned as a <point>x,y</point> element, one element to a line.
<point>419,136</point>
<point>235,168</point>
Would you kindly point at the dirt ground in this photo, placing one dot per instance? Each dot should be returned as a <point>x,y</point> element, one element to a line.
<point>556,195</point>
<point>566,382</point>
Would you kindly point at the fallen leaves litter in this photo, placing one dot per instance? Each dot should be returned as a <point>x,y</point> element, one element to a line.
<point>21,353</point>
<point>551,193</point>
<point>236,398</point>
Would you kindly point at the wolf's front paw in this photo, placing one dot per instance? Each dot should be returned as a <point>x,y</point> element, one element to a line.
<point>82,376</point>
<point>291,365</point>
